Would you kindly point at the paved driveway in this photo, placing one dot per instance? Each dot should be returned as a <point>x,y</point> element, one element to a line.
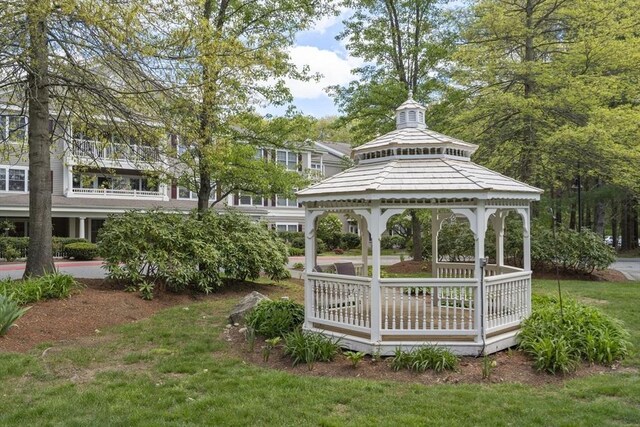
<point>630,267</point>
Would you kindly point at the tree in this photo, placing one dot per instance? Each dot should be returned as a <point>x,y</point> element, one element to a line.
<point>552,94</point>
<point>225,56</point>
<point>64,61</point>
<point>404,44</point>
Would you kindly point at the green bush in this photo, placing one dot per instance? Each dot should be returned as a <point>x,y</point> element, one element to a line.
<point>40,288</point>
<point>349,241</point>
<point>9,313</point>
<point>295,251</point>
<point>81,251</point>
<point>393,242</point>
<point>272,319</point>
<point>570,251</point>
<point>329,230</point>
<point>21,244</point>
<point>421,359</point>
<point>310,347</point>
<point>185,251</point>
<point>558,342</point>
<point>11,253</point>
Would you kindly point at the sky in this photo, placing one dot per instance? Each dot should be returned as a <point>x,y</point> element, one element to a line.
<point>319,49</point>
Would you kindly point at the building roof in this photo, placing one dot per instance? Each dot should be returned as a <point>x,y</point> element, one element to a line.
<point>414,162</point>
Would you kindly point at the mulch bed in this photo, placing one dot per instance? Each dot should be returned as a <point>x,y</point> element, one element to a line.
<point>511,366</point>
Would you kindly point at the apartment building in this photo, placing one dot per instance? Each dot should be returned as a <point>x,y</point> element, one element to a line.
<point>93,178</point>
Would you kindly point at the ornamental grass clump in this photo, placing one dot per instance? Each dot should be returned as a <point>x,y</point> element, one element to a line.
<point>35,289</point>
<point>310,347</point>
<point>419,360</point>
<point>272,319</point>
<point>9,313</point>
<point>559,340</point>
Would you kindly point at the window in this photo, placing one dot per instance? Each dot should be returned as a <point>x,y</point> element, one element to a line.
<point>288,159</point>
<point>13,128</point>
<point>13,179</point>
<point>284,202</point>
<point>286,227</point>
<point>120,182</point>
<point>250,200</point>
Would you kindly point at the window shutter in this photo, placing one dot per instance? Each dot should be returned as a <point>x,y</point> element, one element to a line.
<point>300,228</point>
<point>273,200</point>
<point>299,162</point>
<point>236,199</point>
<point>51,177</point>
<point>174,190</point>
<point>174,141</point>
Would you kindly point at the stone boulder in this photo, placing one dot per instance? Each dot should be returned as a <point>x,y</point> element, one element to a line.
<point>244,306</point>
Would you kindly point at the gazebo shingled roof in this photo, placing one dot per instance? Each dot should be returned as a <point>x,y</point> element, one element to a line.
<point>413,161</point>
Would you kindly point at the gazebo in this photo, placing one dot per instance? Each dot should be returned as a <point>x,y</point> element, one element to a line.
<point>470,308</point>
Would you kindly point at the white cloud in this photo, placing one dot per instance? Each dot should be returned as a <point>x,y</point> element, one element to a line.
<point>326,22</point>
<point>334,68</point>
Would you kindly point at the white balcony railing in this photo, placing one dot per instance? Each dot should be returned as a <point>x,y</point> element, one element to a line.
<point>96,150</point>
<point>112,193</point>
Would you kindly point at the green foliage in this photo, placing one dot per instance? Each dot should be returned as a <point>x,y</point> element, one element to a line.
<point>184,251</point>
<point>11,253</point>
<point>488,365</point>
<point>571,251</point>
<point>456,241</point>
<point>393,242</point>
<point>38,288</point>
<point>298,266</point>
<point>355,357</point>
<point>329,230</point>
<point>349,241</point>
<point>81,251</point>
<point>21,244</point>
<point>559,340</point>
<point>9,313</point>
<point>310,347</point>
<point>421,359</point>
<point>272,319</point>
<point>295,251</point>
<point>270,344</point>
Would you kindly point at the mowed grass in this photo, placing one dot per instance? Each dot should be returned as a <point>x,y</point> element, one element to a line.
<point>174,369</point>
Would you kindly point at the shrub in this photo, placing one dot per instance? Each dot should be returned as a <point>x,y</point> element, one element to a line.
<point>9,313</point>
<point>558,342</point>
<point>310,347</point>
<point>81,251</point>
<point>186,251</point>
<point>295,251</point>
<point>350,241</point>
<point>421,359</point>
<point>570,251</point>
<point>11,253</point>
<point>393,242</point>
<point>338,251</point>
<point>354,357</point>
<point>272,319</point>
<point>298,266</point>
<point>17,244</point>
<point>32,290</point>
<point>320,246</point>
<point>329,229</point>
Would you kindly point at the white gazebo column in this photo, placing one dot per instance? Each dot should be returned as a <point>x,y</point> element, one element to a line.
<point>480,231</point>
<point>364,245</point>
<point>81,232</point>
<point>309,261</point>
<point>526,238</point>
<point>435,229</point>
<point>376,309</point>
<point>498,227</point>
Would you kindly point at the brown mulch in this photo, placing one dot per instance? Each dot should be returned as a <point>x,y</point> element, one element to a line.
<point>511,366</point>
<point>99,304</point>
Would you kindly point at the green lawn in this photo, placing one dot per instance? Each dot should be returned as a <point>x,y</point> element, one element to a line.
<point>173,369</point>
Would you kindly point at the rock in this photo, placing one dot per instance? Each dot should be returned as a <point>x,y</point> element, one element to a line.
<point>244,306</point>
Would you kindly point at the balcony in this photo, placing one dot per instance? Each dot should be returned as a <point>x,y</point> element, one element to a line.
<point>113,154</point>
<point>118,194</point>
<point>313,175</point>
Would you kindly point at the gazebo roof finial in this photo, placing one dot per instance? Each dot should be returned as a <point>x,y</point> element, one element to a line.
<point>410,97</point>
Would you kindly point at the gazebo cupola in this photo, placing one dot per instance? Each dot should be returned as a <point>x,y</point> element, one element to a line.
<point>470,307</point>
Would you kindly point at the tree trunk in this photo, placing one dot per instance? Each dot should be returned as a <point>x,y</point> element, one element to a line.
<point>624,225</point>
<point>40,253</point>
<point>598,218</point>
<point>572,217</point>
<point>416,227</point>
<point>614,224</point>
